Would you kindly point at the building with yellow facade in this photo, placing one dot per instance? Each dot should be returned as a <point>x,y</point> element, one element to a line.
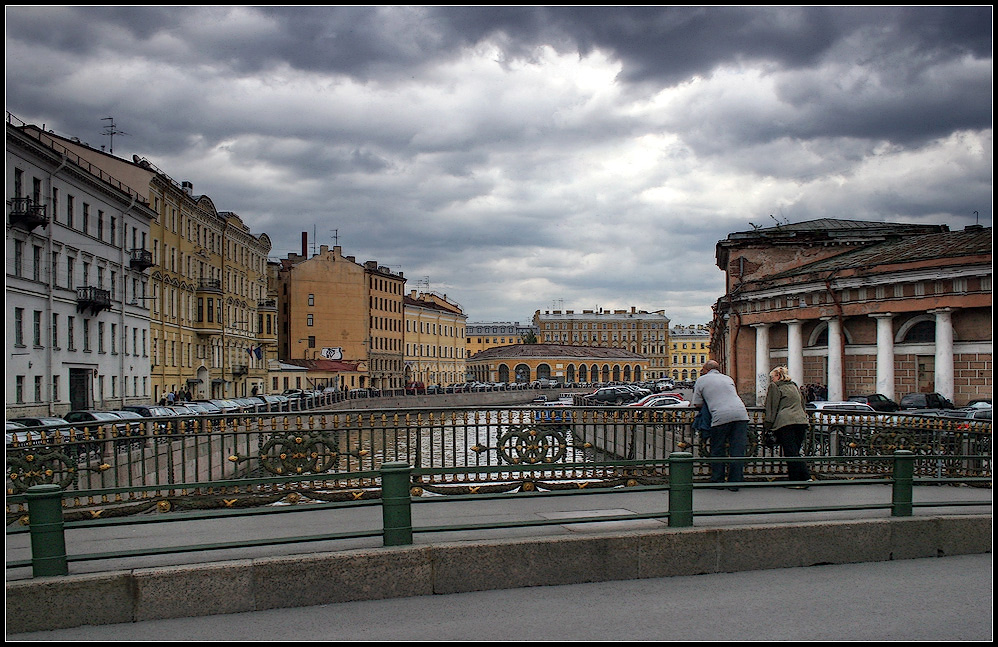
<point>207,289</point>
<point>690,349</point>
<point>640,332</point>
<point>564,363</point>
<point>331,307</point>
<point>435,350</point>
<point>482,335</point>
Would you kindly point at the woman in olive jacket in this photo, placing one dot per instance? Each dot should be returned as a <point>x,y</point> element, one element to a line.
<point>785,415</point>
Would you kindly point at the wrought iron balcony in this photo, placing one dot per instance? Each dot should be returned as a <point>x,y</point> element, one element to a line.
<point>141,259</point>
<point>239,369</point>
<point>267,304</point>
<point>94,299</point>
<point>25,213</point>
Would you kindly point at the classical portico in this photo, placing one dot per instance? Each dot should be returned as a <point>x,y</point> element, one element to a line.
<point>887,316</point>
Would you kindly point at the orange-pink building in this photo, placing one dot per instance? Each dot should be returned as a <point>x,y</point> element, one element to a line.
<point>857,308</point>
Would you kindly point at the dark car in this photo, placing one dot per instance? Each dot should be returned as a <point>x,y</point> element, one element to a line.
<point>878,401</point>
<point>101,420</point>
<point>614,395</point>
<point>925,401</point>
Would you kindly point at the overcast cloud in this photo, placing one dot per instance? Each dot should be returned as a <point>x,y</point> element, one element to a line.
<point>524,158</point>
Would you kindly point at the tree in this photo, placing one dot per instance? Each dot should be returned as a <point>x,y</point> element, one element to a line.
<point>530,338</point>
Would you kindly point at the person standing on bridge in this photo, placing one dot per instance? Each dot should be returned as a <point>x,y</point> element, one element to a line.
<point>728,422</point>
<point>785,415</point>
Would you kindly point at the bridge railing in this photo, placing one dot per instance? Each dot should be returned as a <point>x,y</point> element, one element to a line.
<point>128,466</point>
<point>398,488</point>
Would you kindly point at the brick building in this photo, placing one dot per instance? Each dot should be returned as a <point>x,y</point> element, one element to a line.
<point>857,307</point>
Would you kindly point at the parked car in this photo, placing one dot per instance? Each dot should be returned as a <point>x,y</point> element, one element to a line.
<point>878,401</point>
<point>415,388</point>
<point>667,401</point>
<point>617,395</point>
<point>665,385</point>
<point>925,401</point>
<point>14,432</point>
<point>155,411</point>
<point>100,419</point>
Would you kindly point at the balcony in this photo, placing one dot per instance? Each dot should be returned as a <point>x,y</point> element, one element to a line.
<point>214,286</point>
<point>25,213</point>
<point>141,260</point>
<point>238,370</point>
<point>93,299</point>
<point>267,304</point>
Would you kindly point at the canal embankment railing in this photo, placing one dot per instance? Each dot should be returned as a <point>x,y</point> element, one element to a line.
<point>244,465</point>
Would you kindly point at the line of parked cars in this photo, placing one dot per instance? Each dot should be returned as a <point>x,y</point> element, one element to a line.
<point>128,420</point>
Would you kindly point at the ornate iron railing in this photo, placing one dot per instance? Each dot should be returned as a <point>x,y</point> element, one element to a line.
<point>253,459</point>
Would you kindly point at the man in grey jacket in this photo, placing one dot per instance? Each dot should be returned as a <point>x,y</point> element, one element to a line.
<point>728,421</point>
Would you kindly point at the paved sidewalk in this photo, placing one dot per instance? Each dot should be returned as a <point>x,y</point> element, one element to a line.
<point>746,507</point>
<point>918,599</point>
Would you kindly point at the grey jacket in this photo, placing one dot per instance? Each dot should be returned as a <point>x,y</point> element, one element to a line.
<point>718,391</point>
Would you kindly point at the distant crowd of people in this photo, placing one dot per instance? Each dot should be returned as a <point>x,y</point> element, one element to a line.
<point>180,395</point>
<point>814,392</point>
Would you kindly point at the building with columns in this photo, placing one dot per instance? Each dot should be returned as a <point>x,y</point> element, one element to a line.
<point>856,308</point>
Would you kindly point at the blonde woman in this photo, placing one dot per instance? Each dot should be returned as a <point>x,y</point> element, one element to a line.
<point>785,415</point>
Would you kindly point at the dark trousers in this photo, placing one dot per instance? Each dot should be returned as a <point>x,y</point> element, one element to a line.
<point>728,439</point>
<point>791,438</point>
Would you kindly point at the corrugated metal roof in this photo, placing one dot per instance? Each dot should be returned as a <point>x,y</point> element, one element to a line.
<point>950,244</point>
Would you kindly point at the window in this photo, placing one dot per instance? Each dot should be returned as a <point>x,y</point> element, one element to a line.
<point>311,341</point>
<point>54,339</point>
<point>70,333</point>
<point>69,210</point>
<point>19,389</point>
<point>309,320</point>
<point>311,299</point>
<point>36,333</point>
<point>36,263</point>
<point>38,388</point>
<point>18,256</point>
<point>19,326</point>
<point>86,335</point>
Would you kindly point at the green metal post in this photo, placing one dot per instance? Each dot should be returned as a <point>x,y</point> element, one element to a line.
<point>680,489</point>
<point>48,538</point>
<point>396,505</point>
<point>904,469</point>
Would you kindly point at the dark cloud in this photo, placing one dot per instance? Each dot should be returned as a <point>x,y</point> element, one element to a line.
<point>524,155</point>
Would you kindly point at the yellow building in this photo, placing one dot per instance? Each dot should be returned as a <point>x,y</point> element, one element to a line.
<point>638,331</point>
<point>567,364</point>
<point>435,349</point>
<point>331,307</point>
<point>690,349</point>
<point>206,290</point>
<point>482,335</point>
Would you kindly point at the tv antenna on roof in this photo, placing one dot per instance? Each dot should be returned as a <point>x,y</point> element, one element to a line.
<point>111,131</point>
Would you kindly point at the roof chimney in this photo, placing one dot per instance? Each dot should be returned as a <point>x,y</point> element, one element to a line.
<point>304,244</point>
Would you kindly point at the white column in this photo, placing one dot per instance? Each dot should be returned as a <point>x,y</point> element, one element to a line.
<point>795,351</point>
<point>834,359</point>
<point>885,354</point>
<point>761,362</point>
<point>944,352</point>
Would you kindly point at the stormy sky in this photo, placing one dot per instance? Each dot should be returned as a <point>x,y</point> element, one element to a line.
<point>524,158</point>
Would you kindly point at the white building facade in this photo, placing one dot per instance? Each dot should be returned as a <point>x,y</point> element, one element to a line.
<point>76,283</point>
